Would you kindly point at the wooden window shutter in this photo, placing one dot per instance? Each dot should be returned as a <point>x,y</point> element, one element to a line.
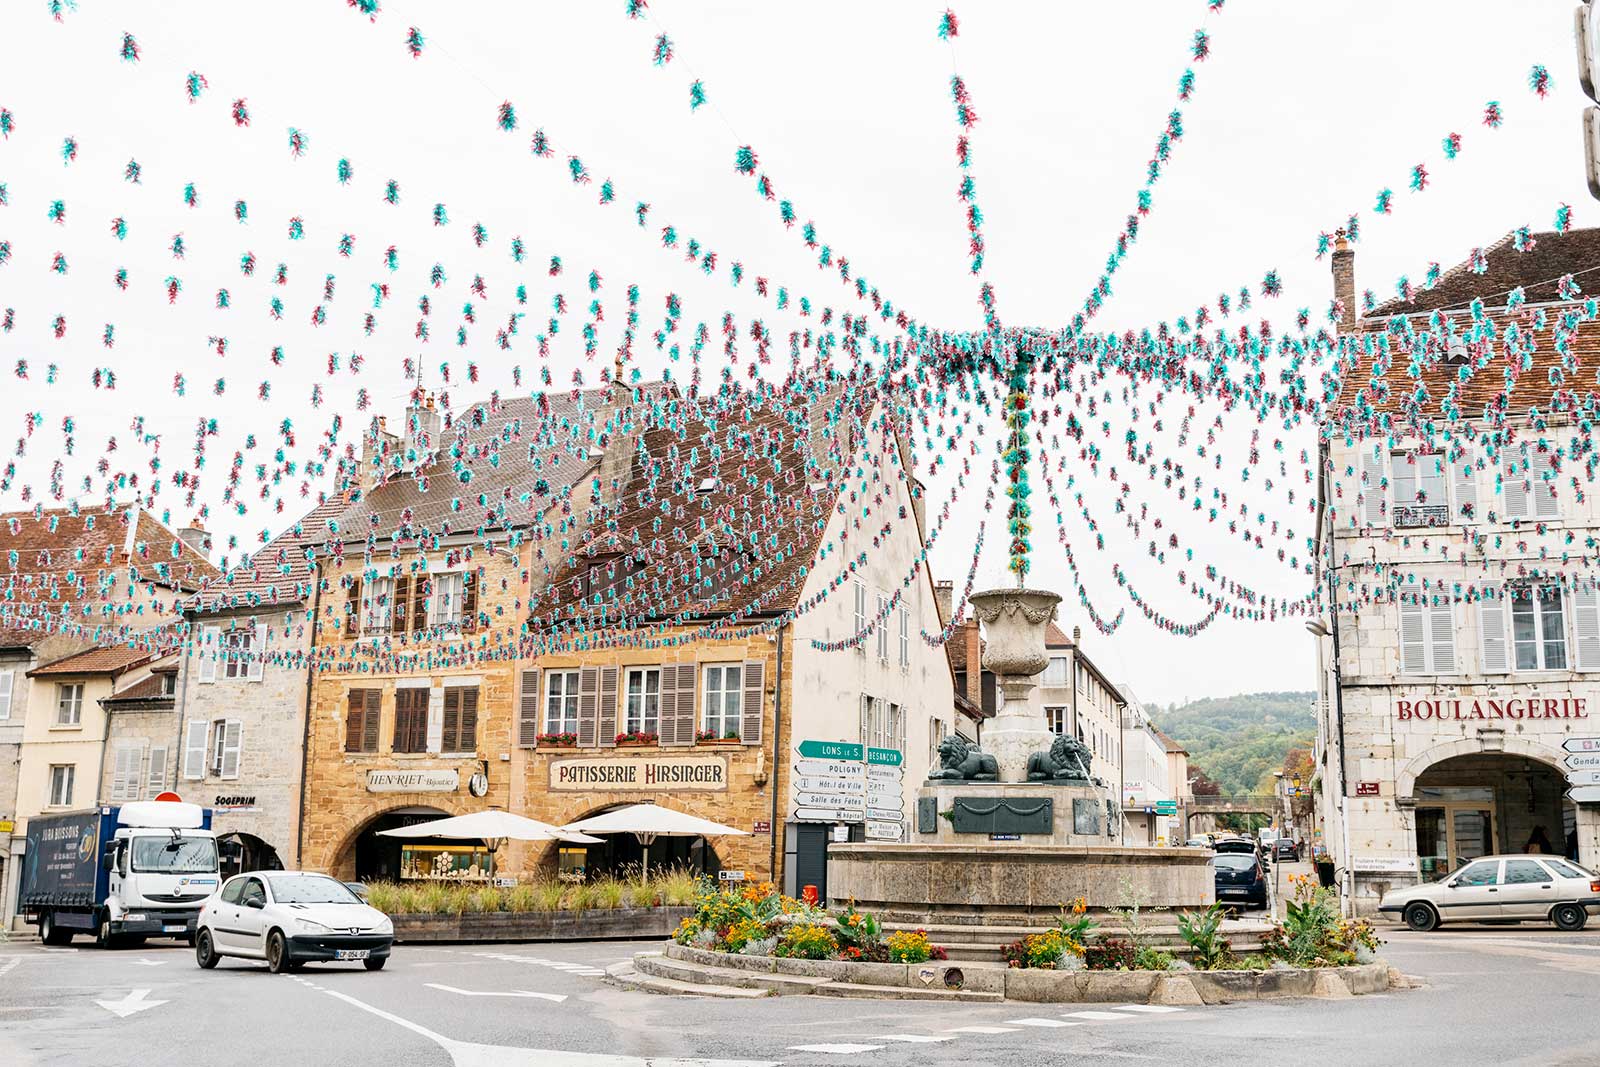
<point>210,650</point>
<point>452,716</point>
<point>1546,505</point>
<point>755,673</point>
<point>1515,489</point>
<point>421,589</point>
<point>667,717</point>
<point>411,718</point>
<point>194,749</point>
<point>156,774</point>
<point>469,601</point>
<point>1442,635</point>
<point>352,608</point>
<point>1466,490</point>
<point>258,653</point>
<point>232,746</point>
<point>1372,490</point>
<point>1586,625</point>
<point>528,710</point>
<point>588,688</point>
<point>608,707</point>
<point>467,736</point>
<point>1413,639</point>
<point>371,722</point>
<point>1495,655</point>
<point>355,718</point>
<point>685,718</point>
<point>401,598</point>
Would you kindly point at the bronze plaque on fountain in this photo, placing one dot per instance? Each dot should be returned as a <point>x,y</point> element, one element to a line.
<point>1002,815</point>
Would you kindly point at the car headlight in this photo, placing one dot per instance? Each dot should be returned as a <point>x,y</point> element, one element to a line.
<point>383,926</point>
<point>313,927</point>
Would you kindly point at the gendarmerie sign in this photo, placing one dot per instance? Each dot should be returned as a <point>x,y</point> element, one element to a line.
<point>655,774</point>
<point>399,781</point>
<point>1469,708</point>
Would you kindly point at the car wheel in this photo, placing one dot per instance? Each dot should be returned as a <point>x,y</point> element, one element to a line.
<point>52,934</point>
<point>205,953</point>
<point>374,963</point>
<point>1569,917</point>
<point>1421,917</point>
<point>277,952</point>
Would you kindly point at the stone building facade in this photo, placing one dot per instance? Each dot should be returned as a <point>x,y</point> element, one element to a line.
<point>1460,659</point>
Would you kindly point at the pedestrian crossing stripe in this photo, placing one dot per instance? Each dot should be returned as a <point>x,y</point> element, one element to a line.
<point>1040,1022</point>
<point>841,1048</point>
<point>983,1030</point>
<point>915,1039</point>
<point>1103,1016</point>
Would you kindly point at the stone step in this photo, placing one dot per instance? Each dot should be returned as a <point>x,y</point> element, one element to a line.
<point>897,992</point>
<point>624,976</point>
<point>700,974</point>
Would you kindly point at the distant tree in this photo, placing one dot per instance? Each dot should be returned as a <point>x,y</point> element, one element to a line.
<point>1204,784</point>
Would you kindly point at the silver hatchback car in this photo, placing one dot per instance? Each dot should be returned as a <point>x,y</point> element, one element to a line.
<point>1501,889</point>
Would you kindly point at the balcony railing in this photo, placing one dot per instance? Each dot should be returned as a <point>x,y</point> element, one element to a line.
<point>1421,515</point>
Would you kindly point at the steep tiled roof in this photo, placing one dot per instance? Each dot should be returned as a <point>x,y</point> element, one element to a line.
<point>144,690</point>
<point>65,566</point>
<point>1537,272</point>
<point>109,659</point>
<point>1054,638</point>
<point>278,573</point>
<point>1167,742</point>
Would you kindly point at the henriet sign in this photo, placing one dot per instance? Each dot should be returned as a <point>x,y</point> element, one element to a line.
<point>1467,708</point>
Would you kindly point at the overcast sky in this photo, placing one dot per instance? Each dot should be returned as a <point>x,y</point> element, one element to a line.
<point>1301,115</point>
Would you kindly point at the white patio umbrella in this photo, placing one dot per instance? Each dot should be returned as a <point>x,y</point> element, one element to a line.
<point>650,821</point>
<point>493,827</point>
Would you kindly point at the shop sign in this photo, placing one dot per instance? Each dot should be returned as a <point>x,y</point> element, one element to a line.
<point>653,774</point>
<point>237,802</point>
<point>397,781</point>
<point>1384,864</point>
<point>1463,709</point>
<point>1366,789</point>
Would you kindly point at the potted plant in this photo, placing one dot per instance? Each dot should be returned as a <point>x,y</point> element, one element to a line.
<point>638,738</point>
<point>710,737</point>
<point>558,740</point>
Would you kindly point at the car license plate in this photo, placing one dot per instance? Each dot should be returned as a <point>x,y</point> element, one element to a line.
<point>352,953</point>
<point>175,928</point>
<point>1236,890</point>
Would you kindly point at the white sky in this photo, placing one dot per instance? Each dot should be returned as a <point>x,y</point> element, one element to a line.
<point>1302,113</point>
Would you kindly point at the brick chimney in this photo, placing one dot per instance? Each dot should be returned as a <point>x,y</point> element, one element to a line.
<point>424,423</point>
<point>379,449</point>
<point>1344,280</point>
<point>944,595</point>
<point>974,641</point>
<point>195,536</point>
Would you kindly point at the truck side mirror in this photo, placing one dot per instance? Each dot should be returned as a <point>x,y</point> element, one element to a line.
<point>108,857</point>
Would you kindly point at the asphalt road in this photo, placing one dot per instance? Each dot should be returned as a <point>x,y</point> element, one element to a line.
<point>1502,995</point>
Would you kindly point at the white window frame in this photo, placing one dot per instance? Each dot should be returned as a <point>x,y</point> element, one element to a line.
<point>8,682</point>
<point>245,650</point>
<point>1527,494</point>
<point>63,690</point>
<point>1054,679</point>
<point>561,701</point>
<point>377,617</point>
<point>905,637</point>
<point>1409,467</point>
<point>1434,649</point>
<point>881,625</point>
<point>1055,719</point>
<point>59,785</point>
<point>447,598</point>
<point>1541,638</point>
<point>642,710</point>
<point>126,780</point>
<point>861,614</point>
<point>722,704</point>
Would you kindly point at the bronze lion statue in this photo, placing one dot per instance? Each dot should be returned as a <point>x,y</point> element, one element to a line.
<point>962,761</point>
<point>1067,761</point>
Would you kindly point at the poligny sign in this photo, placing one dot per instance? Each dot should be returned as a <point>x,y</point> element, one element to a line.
<point>1533,706</point>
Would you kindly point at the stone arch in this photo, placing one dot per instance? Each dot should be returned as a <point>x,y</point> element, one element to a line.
<point>363,816</point>
<point>1405,782</point>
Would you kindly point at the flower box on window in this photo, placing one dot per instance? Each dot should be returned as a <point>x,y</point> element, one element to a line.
<point>561,740</point>
<point>638,739</point>
<point>710,737</point>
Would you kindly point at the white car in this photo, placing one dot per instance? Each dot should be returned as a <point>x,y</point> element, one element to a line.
<point>289,918</point>
<point>1501,889</point>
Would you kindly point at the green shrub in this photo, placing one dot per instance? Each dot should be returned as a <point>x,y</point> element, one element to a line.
<point>1152,959</point>
<point>1111,954</point>
<point>609,893</point>
<point>549,895</point>
<point>1202,932</point>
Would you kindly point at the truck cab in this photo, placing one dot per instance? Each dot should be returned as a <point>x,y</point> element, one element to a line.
<point>162,865</point>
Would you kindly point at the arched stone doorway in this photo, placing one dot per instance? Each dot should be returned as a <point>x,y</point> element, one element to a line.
<point>366,857</point>
<point>239,851</point>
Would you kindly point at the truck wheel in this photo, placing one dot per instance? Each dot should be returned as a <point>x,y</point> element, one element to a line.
<point>103,937</point>
<point>50,933</point>
<point>277,952</point>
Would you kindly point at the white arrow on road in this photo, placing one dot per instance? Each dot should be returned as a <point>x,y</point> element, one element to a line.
<point>555,997</point>
<point>148,963</point>
<point>130,1004</point>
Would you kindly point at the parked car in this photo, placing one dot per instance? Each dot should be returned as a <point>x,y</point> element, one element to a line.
<point>1240,845</point>
<point>1285,849</point>
<point>1240,879</point>
<point>1501,889</point>
<point>1198,842</point>
<point>290,918</point>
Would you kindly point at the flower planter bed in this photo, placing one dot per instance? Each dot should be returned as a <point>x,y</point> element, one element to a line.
<point>646,923</point>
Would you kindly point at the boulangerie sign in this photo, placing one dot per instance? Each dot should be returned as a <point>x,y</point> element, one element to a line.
<point>1530,706</point>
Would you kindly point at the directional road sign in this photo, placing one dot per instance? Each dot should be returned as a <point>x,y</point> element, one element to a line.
<point>1583,777</point>
<point>828,815</point>
<point>1582,761</point>
<point>833,750</point>
<point>1581,744</point>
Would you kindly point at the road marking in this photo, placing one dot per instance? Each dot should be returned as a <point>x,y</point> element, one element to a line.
<point>983,1030</point>
<point>470,1054</point>
<point>1104,1016</point>
<point>134,1002</point>
<point>1148,1009</point>
<point>587,970</point>
<point>915,1039</point>
<point>7,967</point>
<point>148,963</point>
<point>556,997</point>
<point>1040,1022</point>
<point>841,1049</point>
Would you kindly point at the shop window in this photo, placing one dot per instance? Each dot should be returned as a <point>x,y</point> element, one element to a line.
<point>721,700</point>
<point>643,711</point>
<point>1419,489</point>
<point>1427,638</point>
<point>456,862</point>
<point>573,864</point>
<point>61,776</point>
<point>69,704</point>
<point>1538,630</point>
<point>561,702</point>
<point>411,719</point>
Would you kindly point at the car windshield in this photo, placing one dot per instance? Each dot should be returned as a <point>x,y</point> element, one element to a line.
<point>1235,846</point>
<point>311,889</point>
<point>175,855</point>
<point>1235,862</point>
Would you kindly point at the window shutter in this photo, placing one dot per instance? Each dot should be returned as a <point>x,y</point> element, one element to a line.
<point>1492,631</point>
<point>1404,483</point>
<point>258,653</point>
<point>469,601</point>
<point>156,774</point>
<point>460,719</point>
<point>352,608</point>
<point>588,687</point>
<point>1372,491</point>
<point>1466,489</point>
<point>232,742</point>
<point>1586,625</point>
<point>210,649</point>
<point>123,776</point>
<point>688,717</point>
<point>1516,492</point>
<point>1413,639</point>
<point>1545,503</point>
<point>1442,636</point>
<point>667,713</point>
<point>194,749</point>
<point>528,710</point>
<point>608,707</point>
<point>750,705</point>
<point>355,720</point>
<point>411,719</point>
<point>401,596</point>
<point>452,714</point>
<point>422,589</point>
<point>371,719</point>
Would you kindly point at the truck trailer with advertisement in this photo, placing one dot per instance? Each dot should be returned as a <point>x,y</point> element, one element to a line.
<point>119,873</point>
